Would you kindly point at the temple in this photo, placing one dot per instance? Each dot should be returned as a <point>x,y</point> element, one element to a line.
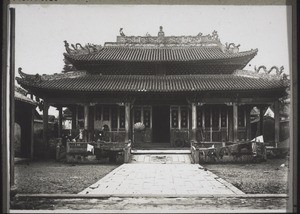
<point>181,88</point>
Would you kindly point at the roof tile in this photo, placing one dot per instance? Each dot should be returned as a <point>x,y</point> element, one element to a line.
<point>159,54</point>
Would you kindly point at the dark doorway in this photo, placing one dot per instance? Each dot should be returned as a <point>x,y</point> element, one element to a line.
<point>161,124</point>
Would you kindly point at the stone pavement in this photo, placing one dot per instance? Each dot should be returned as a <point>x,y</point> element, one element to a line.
<point>156,175</point>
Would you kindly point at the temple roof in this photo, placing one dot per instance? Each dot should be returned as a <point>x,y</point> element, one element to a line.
<point>159,48</point>
<point>81,81</point>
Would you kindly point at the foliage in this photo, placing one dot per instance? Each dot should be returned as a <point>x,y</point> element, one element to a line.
<point>139,126</point>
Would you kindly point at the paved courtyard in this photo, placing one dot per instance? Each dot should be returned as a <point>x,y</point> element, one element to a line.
<point>161,174</point>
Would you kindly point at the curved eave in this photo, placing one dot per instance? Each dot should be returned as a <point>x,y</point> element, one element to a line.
<point>140,84</point>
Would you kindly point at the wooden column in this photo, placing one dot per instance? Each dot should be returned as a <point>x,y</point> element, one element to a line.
<point>248,124</point>
<point>86,122</point>
<point>230,122</point>
<point>59,121</point>
<point>32,134</point>
<point>276,120</point>
<point>74,117</point>
<point>127,121</point>
<point>194,122</point>
<point>45,124</point>
<point>91,122</point>
<point>235,122</point>
<point>261,120</point>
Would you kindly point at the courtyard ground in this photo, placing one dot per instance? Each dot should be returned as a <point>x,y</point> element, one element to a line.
<point>270,177</point>
<point>35,178</point>
<point>55,177</point>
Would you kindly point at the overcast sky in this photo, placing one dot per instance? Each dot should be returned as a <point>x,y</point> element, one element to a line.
<point>41,29</point>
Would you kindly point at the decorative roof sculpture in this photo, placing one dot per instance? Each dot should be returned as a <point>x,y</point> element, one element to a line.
<point>79,49</point>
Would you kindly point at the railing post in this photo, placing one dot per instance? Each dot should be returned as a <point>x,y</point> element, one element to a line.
<point>127,152</point>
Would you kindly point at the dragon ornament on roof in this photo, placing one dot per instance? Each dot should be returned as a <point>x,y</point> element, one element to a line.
<point>29,77</point>
<point>79,49</point>
<point>278,72</point>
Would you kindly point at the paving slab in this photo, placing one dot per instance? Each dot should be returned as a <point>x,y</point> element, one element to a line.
<point>161,179</point>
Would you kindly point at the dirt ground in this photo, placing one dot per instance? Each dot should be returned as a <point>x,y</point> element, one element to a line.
<point>256,178</point>
<point>54,177</point>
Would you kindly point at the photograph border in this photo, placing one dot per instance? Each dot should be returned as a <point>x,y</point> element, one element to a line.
<point>7,97</point>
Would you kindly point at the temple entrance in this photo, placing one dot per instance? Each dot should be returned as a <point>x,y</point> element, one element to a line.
<point>161,124</point>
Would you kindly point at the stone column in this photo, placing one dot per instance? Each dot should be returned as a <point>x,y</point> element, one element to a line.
<point>127,121</point>
<point>235,122</point>
<point>86,122</point>
<point>45,124</point>
<point>277,124</point>
<point>194,122</point>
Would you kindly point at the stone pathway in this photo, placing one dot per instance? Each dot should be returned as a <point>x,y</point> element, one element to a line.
<point>156,175</point>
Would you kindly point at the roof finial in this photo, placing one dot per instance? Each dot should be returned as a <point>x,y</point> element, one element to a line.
<point>67,46</point>
<point>161,33</point>
<point>121,32</point>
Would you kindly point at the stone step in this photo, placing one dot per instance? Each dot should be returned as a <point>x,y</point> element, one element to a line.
<point>160,151</point>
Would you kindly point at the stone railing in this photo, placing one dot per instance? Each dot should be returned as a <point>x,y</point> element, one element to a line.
<point>112,149</point>
<point>255,151</point>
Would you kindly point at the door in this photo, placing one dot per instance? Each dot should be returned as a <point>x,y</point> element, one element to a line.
<point>161,124</point>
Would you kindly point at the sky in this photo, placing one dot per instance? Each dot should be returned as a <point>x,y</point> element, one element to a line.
<point>41,29</point>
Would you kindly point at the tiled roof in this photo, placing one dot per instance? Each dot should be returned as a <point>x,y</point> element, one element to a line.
<point>159,54</point>
<point>154,83</point>
<point>21,97</point>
